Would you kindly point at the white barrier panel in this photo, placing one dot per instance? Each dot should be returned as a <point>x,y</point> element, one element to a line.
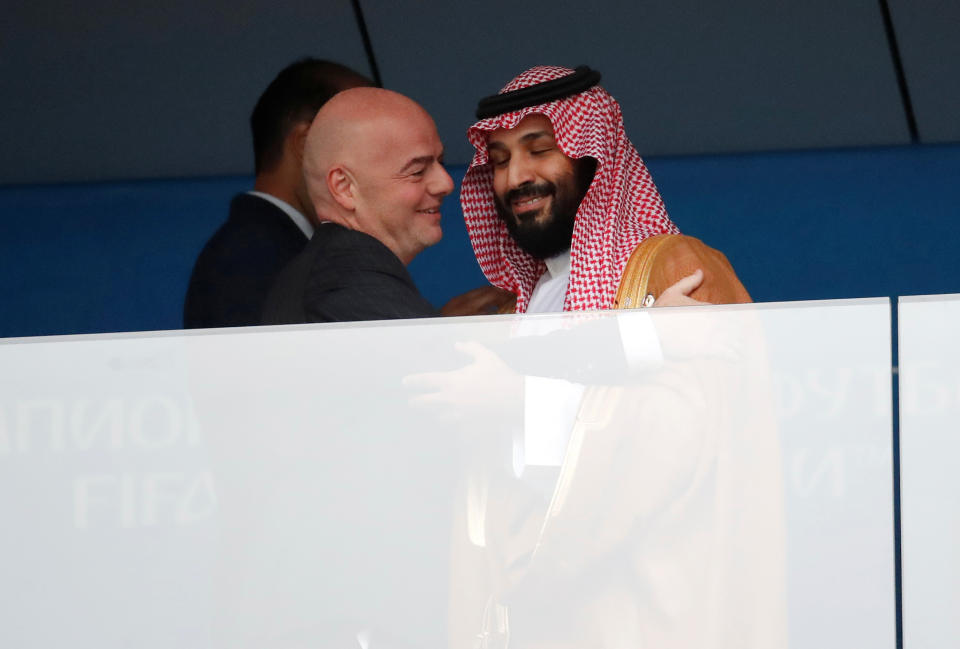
<point>711,477</point>
<point>929,481</point>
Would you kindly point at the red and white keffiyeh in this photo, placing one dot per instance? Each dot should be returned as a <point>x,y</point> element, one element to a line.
<point>621,208</point>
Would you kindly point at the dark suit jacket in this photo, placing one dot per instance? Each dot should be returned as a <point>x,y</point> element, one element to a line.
<point>344,275</point>
<point>239,263</point>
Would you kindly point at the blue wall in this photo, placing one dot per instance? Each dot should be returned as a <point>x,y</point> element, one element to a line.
<point>106,257</point>
<point>825,224</point>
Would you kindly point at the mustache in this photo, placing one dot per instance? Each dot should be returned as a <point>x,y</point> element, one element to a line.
<point>529,191</point>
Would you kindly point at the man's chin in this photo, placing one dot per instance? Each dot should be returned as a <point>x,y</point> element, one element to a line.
<point>432,236</point>
<point>534,223</point>
<point>542,238</point>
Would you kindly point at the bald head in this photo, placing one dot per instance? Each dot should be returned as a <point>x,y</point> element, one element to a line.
<point>351,129</point>
<point>373,163</point>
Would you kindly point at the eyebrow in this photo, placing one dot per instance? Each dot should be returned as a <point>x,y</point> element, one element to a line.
<point>527,137</point>
<point>420,160</point>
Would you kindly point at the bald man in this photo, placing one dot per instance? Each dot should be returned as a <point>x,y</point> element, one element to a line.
<point>373,164</point>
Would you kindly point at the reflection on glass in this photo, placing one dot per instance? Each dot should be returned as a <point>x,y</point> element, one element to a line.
<point>929,483</point>
<point>709,477</point>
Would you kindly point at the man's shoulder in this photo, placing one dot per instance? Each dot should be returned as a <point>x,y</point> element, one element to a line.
<point>336,234</point>
<point>253,214</point>
<point>344,275</point>
<point>660,261</point>
<point>253,225</point>
<point>338,257</point>
<point>335,243</point>
<point>332,250</point>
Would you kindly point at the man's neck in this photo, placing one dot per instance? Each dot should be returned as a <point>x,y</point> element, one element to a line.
<point>273,184</point>
<point>295,215</point>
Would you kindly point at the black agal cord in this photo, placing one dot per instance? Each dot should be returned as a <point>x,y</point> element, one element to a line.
<point>583,78</point>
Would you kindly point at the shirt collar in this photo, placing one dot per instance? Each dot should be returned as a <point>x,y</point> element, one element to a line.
<point>298,219</point>
<point>558,265</point>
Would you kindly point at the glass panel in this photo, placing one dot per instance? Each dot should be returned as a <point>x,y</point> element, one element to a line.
<point>929,481</point>
<point>711,477</point>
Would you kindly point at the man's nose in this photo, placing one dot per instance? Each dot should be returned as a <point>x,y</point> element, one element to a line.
<point>441,183</point>
<point>519,172</point>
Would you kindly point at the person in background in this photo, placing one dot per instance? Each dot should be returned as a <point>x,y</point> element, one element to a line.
<point>269,225</point>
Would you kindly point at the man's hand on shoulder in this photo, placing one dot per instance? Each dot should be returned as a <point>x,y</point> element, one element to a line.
<point>480,301</point>
<point>698,334</point>
<point>679,293</point>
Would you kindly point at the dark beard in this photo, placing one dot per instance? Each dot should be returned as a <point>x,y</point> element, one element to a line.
<point>549,237</point>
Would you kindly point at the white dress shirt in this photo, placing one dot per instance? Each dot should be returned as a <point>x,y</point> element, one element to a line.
<point>551,405</point>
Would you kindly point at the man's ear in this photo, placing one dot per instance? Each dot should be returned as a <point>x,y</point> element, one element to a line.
<point>342,187</point>
<point>297,140</point>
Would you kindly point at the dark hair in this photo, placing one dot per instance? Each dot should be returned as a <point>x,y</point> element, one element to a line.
<point>295,96</point>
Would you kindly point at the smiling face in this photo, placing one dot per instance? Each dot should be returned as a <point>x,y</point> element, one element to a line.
<point>401,184</point>
<point>537,188</point>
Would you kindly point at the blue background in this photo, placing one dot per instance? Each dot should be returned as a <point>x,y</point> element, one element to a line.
<point>116,256</point>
